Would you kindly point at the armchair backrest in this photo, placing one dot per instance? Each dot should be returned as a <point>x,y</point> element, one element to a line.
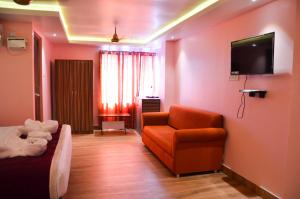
<point>181,117</point>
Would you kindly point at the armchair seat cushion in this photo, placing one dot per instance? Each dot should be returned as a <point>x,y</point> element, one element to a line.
<point>163,139</point>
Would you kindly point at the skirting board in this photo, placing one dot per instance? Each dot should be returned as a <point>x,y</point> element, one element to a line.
<point>250,185</point>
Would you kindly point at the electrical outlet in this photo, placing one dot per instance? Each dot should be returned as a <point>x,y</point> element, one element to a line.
<point>234,78</point>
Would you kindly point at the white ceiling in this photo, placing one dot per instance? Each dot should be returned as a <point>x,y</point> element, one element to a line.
<point>135,19</point>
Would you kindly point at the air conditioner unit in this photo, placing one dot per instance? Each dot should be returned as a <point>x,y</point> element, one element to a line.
<point>16,43</point>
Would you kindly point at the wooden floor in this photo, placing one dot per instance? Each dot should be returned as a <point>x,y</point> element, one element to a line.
<point>118,166</point>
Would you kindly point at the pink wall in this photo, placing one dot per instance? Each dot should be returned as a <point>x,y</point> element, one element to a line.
<point>170,75</point>
<point>161,74</point>
<point>46,78</point>
<point>257,145</point>
<point>16,77</point>
<point>293,159</point>
<point>84,52</point>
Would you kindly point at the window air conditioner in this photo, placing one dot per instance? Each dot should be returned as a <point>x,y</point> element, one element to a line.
<point>16,43</point>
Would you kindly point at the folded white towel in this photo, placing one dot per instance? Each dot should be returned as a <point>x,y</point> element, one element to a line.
<point>32,125</point>
<point>12,145</point>
<point>3,149</point>
<point>24,130</point>
<point>36,141</point>
<point>34,147</point>
<point>4,134</point>
<point>40,134</point>
<point>50,125</point>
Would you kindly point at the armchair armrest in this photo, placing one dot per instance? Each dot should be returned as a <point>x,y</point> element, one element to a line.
<point>154,118</point>
<point>200,135</point>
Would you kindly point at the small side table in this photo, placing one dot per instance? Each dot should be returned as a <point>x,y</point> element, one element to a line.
<point>118,124</point>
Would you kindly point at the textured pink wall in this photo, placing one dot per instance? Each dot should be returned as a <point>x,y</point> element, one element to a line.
<point>16,77</point>
<point>293,159</point>
<point>84,52</point>
<point>257,145</point>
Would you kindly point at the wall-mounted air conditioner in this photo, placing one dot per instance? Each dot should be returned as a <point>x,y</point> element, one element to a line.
<point>16,43</point>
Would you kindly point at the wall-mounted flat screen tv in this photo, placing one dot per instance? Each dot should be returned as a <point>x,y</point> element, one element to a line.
<point>253,55</point>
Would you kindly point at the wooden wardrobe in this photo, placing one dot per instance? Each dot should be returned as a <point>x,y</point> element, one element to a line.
<point>73,94</point>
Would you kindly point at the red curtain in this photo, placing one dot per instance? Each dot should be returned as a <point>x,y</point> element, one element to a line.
<point>123,75</point>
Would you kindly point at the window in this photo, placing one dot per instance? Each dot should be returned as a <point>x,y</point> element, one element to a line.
<point>125,76</point>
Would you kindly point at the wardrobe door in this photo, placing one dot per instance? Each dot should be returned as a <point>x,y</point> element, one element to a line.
<point>82,96</point>
<point>63,92</point>
<point>74,94</point>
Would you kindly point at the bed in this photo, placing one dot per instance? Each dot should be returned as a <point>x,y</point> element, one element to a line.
<point>42,177</point>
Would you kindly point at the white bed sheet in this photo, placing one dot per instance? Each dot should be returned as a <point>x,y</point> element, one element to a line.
<point>61,164</point>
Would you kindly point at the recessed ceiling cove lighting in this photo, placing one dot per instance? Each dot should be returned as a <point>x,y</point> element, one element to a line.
<point>56,8</point>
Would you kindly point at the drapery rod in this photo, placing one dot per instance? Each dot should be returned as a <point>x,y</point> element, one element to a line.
<point>127,52</point>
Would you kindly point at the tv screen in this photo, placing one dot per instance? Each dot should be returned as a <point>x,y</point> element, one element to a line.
<point>254,55</point>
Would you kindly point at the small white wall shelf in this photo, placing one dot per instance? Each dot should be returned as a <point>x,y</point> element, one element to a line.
<point>254,92</point>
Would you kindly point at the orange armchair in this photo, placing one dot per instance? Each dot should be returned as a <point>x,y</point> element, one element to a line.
<point>186,140</point>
